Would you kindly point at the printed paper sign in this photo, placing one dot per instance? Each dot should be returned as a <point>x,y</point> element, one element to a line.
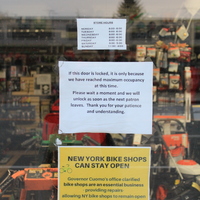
<point>101,34</point>
<point>107,97</point>
<point>103,173</point>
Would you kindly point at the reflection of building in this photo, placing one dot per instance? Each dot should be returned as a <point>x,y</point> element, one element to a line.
<point>62,32</point>
<point>50,38</point>
<point>49,35</point>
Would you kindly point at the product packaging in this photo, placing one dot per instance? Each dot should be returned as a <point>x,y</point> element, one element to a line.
<point>174,81</point>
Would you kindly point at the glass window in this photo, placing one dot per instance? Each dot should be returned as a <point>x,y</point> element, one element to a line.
<point>35,36</point>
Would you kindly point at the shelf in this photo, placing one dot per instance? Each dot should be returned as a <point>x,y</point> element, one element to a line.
<point>29,107</point>
<point>18,120</point>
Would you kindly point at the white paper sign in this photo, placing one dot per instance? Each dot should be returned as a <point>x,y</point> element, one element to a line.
<point>108,97</point>
<point>192,6</point>
<point>94,34</point>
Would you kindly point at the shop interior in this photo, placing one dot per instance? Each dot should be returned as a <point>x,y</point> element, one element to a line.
<point>29,99</point>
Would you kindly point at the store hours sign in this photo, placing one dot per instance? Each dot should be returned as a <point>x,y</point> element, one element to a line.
<point>94,34</point>
<point>107,97</point>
